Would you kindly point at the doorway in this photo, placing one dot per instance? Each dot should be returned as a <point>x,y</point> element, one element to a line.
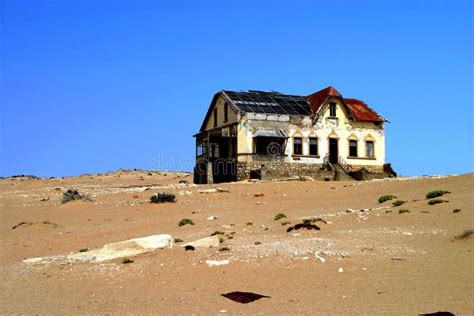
<point>333,150</point>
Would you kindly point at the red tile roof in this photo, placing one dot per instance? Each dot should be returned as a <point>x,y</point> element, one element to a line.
<point>317,99</point>
<point>362,112</point>
<point>358,110</point>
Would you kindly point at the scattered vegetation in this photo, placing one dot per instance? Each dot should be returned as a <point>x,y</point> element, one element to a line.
<point>285,223</point>
<point>217,232</point>
<point>436,193</point>
<point>72,195</point>
<point>185,221</point>
<point>398,203</point>
<point>257,243</point>
<point>436,201</point>
<point>163,198</point>
<point>403,210</point>
<point>385,198</point>
<point>466,234</point>
<point>221,240</point>
<point>177,240</point>
<point>84,250</point>
<point>127,260</point>
<point>280,216</point>
<point>249,223</point>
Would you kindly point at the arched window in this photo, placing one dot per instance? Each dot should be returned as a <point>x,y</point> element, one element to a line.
<point>369,147</point>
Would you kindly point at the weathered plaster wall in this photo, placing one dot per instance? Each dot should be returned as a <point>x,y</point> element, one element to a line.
<point>323,129</point>
<point>232,114</point>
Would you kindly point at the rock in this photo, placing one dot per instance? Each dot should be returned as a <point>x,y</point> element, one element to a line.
<point>319,257</point>
<point>212,218</point>
<point>207,242</point>
<point>217,262</point>
<point>306,178</point>
<point>340,270</point>
<point>214,190</point>
<point>349,210</point>
<point>127,248</point>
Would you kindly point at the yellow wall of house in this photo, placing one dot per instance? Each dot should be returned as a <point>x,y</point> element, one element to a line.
<point>343,129</point>
<point>219,105</point>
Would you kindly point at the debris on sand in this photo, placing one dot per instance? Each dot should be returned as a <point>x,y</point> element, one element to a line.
<point>212,263</point>
<point>307,225</point>
<point>319,257</point>
<point>26,224</point>
<point>244,297</point>
<point>213,190</point>
<point>127,248</point>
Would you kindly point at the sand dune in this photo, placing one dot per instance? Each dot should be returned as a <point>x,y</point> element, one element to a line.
<point>366,257</point>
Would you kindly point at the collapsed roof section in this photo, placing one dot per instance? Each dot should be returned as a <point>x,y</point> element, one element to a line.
<point>276,103</point>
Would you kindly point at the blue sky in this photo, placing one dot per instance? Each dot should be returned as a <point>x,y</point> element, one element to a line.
<point>93,86</point>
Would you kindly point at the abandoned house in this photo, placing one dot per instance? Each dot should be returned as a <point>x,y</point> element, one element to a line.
<point>270,135</point>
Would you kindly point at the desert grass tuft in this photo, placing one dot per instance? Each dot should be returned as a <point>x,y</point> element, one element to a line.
<point>280,216</point>
<point>436,193</point>
<point>185,221</point>
<point>398,203</point>
<point>436,201</point>
<point>387,197</point>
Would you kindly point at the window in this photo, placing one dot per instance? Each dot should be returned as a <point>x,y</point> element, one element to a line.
<point>352,148</point>
<point>297,146</point>
<point>269,146</point>
<point>332,109</point>
<point>226,112</point>
<point>313,146</point>
<point>369,147</point>
<point>215,117</point>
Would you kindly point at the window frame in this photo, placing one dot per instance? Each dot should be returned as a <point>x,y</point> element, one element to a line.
<point>215,117</point>
<point>367,149</point>
<point>310,146</point>
<point>300,147</point>
<point>333,109</point>
<point>353,141</point>
<point>226,112</point>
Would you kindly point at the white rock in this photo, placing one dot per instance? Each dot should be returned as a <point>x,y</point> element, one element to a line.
<point>212,218</point>
<point>340,270</point>
<point>217,262</point>
<point>207,242</point>
<point>127,248</point>
<point>319,257</point>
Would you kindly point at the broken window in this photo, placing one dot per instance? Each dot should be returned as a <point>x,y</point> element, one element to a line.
<point>269,146</point>
<point>332,109</point>
<point>313,146</point>
<point>369,146</point>
<point>201,149</point>
<point>353,148</point>
<point>226,112</point>
<point>297,146</point>
<point>215,117</point>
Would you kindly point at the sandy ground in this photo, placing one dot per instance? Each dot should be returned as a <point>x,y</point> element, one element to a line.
<point>391,263</point>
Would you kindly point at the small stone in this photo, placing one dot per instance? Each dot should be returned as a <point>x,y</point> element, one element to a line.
<point>212,218</point>
<point>340,270</point>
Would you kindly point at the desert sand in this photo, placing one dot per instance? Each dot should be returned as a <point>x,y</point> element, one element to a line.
<point>367,259</point>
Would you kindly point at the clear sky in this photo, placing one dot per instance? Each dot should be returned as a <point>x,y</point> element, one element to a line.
<point>93,86</point>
